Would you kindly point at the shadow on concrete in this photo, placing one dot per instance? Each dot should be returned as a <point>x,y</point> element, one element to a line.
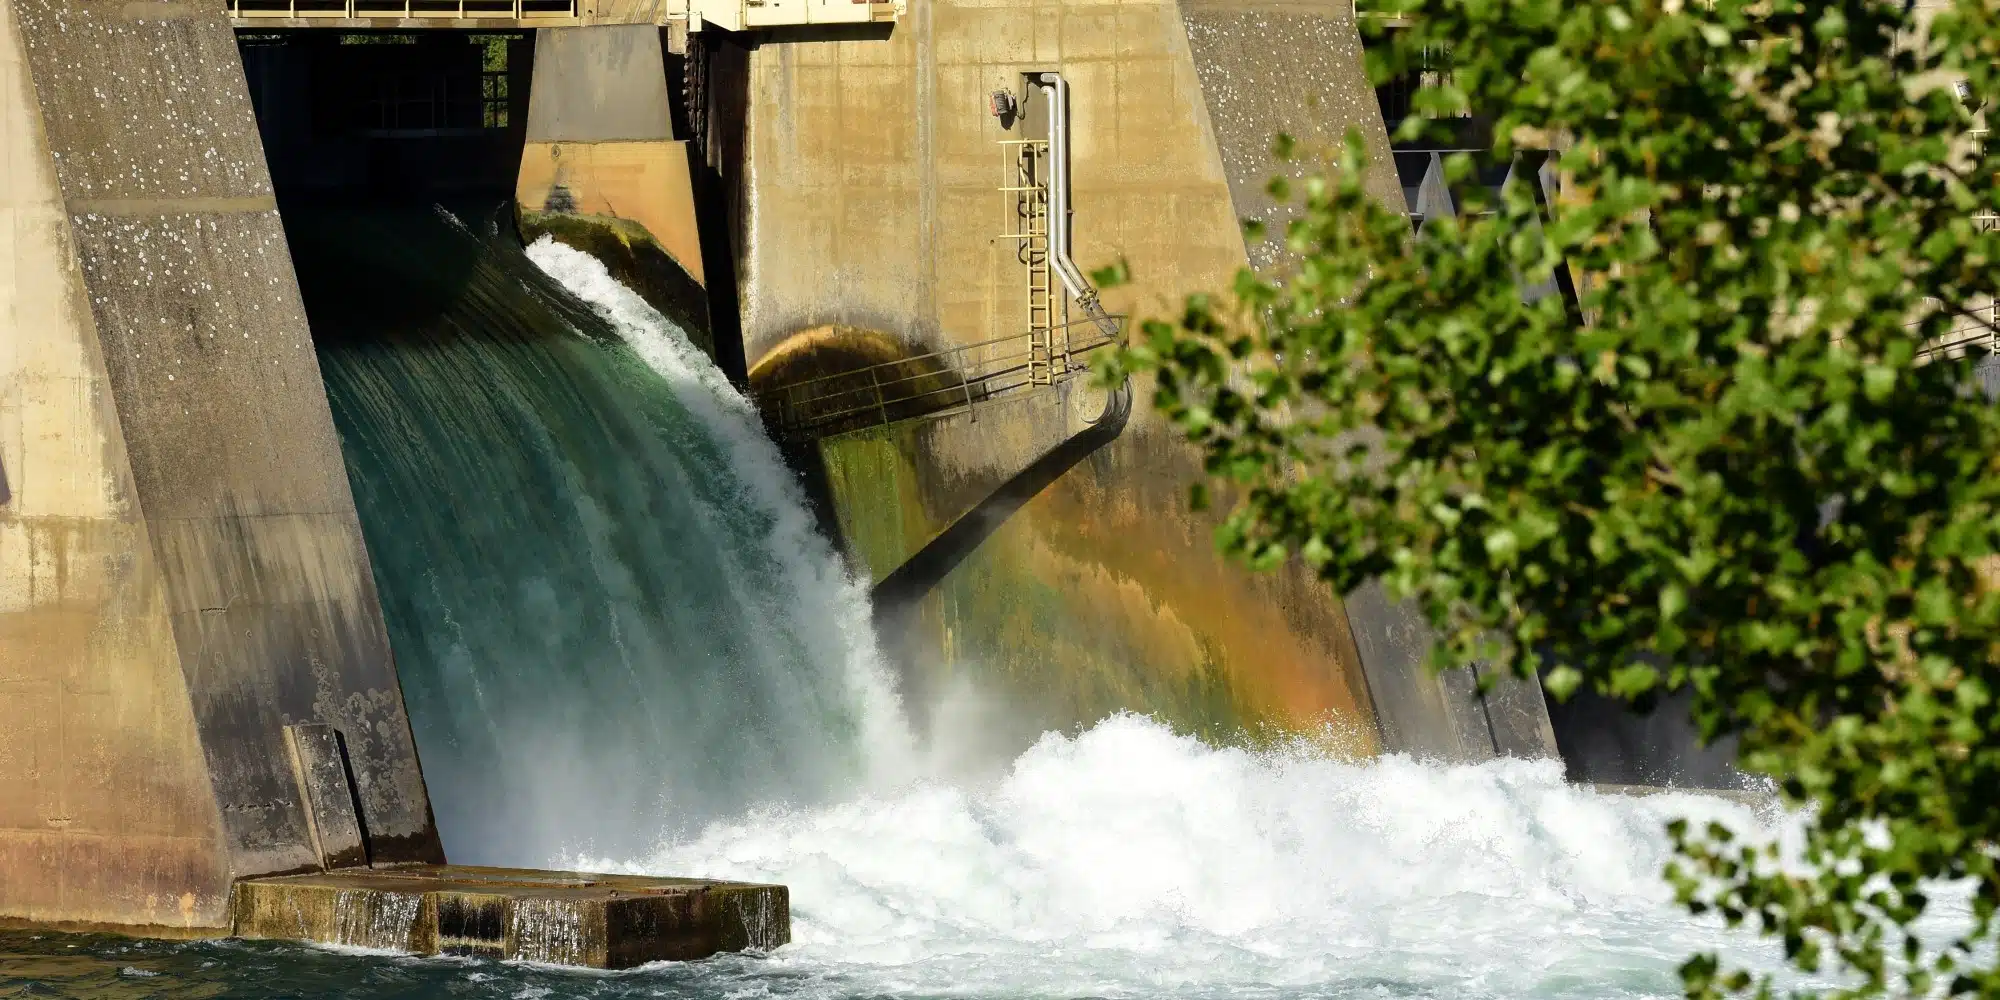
<point>873,32</point>
<point>897,595</point>
<point>1605,740</point>
<point>713,105</point>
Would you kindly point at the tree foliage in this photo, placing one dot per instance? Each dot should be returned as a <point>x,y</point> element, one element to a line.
<point>1725,465</point>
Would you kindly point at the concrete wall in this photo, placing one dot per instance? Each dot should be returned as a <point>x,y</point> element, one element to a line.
<point>106,815</point>
<point>1290,66</point>
<point>600,136</point>
<point>181,500</point>
<point>1100,595</point>
<point>873,173</point>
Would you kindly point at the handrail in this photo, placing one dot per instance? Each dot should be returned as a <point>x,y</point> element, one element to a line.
<point>865,398</point>
<point>442,10</point>
<point>899,362</point>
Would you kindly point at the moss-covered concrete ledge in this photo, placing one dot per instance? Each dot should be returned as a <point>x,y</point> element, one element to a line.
<point>629,251</point>
<point>558,918</point>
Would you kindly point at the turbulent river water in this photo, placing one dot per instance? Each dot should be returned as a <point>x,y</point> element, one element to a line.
<point>625,648</point>
<point>1121,862</point>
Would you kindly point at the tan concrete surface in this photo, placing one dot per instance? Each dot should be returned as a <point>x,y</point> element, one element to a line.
<point>600,148</point>
<point>642,181</point>
<point>181,569</point>
<point>871,201</point>
<point>106,814</point>
<point>553,917</point>
<point>599,84</point>
<point>874,167</point>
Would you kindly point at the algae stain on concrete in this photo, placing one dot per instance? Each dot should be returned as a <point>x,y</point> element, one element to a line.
<point>636,259</point>
<point>892,524</point>
<point>1094,599</point>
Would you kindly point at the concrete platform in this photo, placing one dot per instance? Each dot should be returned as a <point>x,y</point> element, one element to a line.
<point>561,918</point>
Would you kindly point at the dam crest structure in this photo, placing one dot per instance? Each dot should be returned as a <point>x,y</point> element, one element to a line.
<point>640,412</point>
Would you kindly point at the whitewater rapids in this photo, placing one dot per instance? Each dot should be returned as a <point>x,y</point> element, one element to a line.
<point>1128,861</point>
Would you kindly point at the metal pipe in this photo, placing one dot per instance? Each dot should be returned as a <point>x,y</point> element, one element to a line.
<point>1072,279</point>
<point>1065,267</point>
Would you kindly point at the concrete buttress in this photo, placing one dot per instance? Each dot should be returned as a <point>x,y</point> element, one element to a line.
<point>182,574</point>
<point>602,169</point>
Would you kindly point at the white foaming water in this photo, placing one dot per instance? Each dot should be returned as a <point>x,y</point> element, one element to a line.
<point>1129,861</point>
<point>826,601</point>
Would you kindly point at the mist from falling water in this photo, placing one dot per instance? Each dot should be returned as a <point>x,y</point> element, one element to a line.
<point>1128,861</point>
<point>823,601</point>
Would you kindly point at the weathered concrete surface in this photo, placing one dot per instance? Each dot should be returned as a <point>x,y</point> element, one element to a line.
<point>1442,717</point>
<point>106,813</point>
<point>873,169</point>
<point>333,818</point>
<point>600,140</point>
<point>1098,596</point>
<point>1290,66</point>
<point>642,182</point>
<point>209,522</point>
<point>871,201</point>
<point>561,918</point>
<point>599,85</point>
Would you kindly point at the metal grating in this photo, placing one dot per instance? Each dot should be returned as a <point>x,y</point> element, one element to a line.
<point>448,10</point>
<point>923,385</point>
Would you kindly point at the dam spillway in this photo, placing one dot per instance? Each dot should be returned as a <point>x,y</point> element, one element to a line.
<point>610,618</point>
<point>306,436</point>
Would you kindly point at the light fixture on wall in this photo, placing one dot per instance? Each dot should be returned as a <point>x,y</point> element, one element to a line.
<point>1005,107</point>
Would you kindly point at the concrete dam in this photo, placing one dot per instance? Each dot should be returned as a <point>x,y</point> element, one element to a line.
<point>535,479</point>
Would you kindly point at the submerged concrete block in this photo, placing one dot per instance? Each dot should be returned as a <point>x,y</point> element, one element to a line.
<point>560,918</point>
<point>319,759</point>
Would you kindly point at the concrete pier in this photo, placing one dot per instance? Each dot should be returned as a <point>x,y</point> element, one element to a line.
<point>182,574</point>
<point>196,687</point>
<point>558,918</point>
<point>602,171</point>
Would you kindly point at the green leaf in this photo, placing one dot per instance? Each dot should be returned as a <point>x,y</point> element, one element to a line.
<point>1741,463</point>
<point>1673,601</point>
<point>1113,275</point>
<point>1562,682</point>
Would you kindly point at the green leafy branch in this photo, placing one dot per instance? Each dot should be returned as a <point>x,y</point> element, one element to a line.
<point>1741,476</point>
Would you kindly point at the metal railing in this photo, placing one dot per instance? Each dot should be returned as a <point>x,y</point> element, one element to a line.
<point>456,10</point>
<point>1975,324</point>
<point>922,385</point>
<point>1977,321</point>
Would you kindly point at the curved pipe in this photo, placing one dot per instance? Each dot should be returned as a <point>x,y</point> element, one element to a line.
<point>1066,269</point>
<point>1065,266</point>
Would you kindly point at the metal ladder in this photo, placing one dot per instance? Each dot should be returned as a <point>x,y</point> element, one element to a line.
<point>1048,309</point>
